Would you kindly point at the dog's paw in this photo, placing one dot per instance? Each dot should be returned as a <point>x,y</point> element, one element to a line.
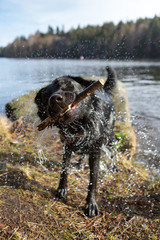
<point>91,209</point>
<point>61,193</point>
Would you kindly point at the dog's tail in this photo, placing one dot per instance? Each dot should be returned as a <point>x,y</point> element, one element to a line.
<point>111,80</point>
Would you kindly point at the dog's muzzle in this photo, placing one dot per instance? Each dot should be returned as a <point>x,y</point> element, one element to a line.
<point>59,101</point>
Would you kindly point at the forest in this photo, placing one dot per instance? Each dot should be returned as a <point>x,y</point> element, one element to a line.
<point>130,40</point>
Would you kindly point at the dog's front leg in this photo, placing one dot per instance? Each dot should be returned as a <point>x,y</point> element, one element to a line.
<point>92,207</point>
<point>62,189</point>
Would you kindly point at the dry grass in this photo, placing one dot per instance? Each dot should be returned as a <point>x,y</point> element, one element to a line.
<point>129,202</point>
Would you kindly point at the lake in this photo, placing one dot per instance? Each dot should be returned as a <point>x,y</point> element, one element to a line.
<point>142,79</point>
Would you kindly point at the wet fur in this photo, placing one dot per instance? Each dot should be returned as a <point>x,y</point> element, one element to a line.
<point>83,129</point>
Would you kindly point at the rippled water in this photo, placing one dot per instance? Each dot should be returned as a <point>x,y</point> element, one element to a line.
<point>142,79</point>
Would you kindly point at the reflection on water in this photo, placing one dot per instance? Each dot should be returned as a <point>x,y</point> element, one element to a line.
<point>142,79</point>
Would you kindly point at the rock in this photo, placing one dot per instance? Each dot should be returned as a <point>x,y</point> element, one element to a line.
<point>120,100</point>
<point>25,106</point>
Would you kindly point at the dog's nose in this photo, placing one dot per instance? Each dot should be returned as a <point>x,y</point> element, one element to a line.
<point>56,98</point>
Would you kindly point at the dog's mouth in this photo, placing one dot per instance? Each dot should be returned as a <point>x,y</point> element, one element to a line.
<point>68,116</point>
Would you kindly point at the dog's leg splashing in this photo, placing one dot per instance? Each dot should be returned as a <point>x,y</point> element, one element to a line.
<point>62,189</point>
<point>92,207</point>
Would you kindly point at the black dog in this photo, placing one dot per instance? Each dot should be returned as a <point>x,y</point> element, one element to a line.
<point>84,128</point>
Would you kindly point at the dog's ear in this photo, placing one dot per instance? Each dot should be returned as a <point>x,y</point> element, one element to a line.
<point>82,81</point>
<point>38,98</point>
<point>40,103</point>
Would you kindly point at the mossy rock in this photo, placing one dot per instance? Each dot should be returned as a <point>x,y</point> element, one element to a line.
<point>25,106</point>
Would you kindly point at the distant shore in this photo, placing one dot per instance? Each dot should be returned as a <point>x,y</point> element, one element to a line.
<point>131,40</point>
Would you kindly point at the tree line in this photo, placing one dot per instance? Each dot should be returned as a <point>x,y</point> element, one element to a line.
<point>130,40</point>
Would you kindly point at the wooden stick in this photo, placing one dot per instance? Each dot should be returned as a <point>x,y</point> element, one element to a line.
<point>87,91</point>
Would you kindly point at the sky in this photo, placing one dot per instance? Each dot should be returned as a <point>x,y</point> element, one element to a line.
<point>25,17</point>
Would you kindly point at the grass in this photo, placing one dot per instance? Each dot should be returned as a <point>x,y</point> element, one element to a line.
<point>129,202</point>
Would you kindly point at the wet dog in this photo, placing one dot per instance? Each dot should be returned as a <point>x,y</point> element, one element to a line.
<point>84,128</point>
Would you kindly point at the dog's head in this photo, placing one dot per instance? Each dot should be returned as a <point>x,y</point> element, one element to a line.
<point>56,96</point>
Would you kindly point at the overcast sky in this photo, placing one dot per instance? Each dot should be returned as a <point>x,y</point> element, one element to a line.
<point>25,17</point>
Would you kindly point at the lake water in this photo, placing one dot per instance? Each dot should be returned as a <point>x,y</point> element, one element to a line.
<point>142,79</point>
